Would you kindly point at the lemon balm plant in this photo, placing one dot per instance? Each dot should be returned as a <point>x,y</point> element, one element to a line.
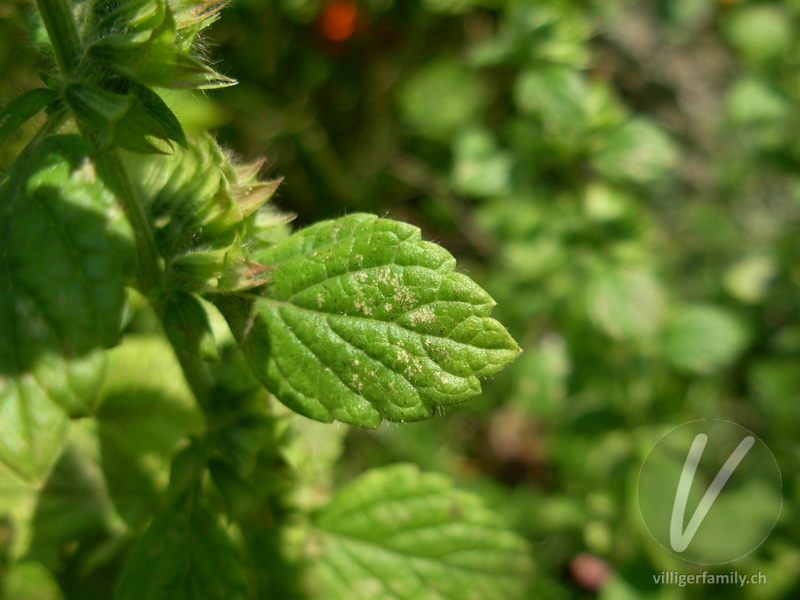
<point>136,465</point>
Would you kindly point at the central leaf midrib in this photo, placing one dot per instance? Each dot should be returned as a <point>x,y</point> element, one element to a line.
<point>322,313</point>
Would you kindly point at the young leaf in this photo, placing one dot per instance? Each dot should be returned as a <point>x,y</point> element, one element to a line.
<point>185,553</point>
<point>398,534</point>
<point>131,121</point>
<point>156,108</point>
<point>363,321</point>
<point>64,263</point>
<point>22,108</point>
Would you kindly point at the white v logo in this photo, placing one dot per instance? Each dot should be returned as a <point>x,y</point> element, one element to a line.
<point>679,539</point>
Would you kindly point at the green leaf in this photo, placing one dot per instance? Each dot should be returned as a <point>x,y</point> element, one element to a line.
<point>133,120</point>
<point>703,338</point>
<point>638,151</point>
<point>64,257</point>
<point>754,101</point>
<point>147,413</point>
<point>761,33</point>
<point>237,492</point>
<point>363,321</point>
<point>156,108</point>
<point>556,96</point>
<point>30,580</point>
<point>185,554</point>
<point>73,505</point>
<point>480,168</point>
<point>441,97</point>
<point>18,499</point>
<point>98,109</point>
<point>22,108</point>
<point>625,303</point>
<point>398,534</point>
<point>312,449</point>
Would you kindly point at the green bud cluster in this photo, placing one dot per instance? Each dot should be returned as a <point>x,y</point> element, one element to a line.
<point>205,211</point>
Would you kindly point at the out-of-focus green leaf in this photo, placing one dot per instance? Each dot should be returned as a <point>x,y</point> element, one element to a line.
<point>448,6</point>
<point>66,253</point>
<point>73,506</point>
<point>703,338</point>
<point>749,279</point>
<point>441,97</point>
<point>775,385</point>
<point>760,32</point>
<point>396,533</point>
<point>753,101</point>
<point>312,450</point>
<point>555,95</point>
<point>603,203</point>
<point>480,167</point>
<point>638,151</point>
<point>625,303</point>
<point>364,321</point>
<point>30,580</point>
<point>18,498</point>
<point>185,554</point>
<point>549,32</point>
<point>147,413</point>
<point>542,375</point>
<point>762,110</point>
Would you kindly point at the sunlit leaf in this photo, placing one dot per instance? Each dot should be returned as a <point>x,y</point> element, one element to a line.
<point>363,321</point>
<point>398,534</point>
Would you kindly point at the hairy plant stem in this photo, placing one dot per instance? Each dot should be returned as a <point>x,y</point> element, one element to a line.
<point>196,372</point>
<point>148,261</point>
<point>60,24</point>
<point>198,376</point>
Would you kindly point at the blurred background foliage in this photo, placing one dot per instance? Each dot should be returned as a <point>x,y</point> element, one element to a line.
<point>623,177</point>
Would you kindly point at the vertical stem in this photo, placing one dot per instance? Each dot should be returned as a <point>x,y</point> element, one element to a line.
<point>147,259</point>
<point>60,24</point>
<point>198,376</point>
